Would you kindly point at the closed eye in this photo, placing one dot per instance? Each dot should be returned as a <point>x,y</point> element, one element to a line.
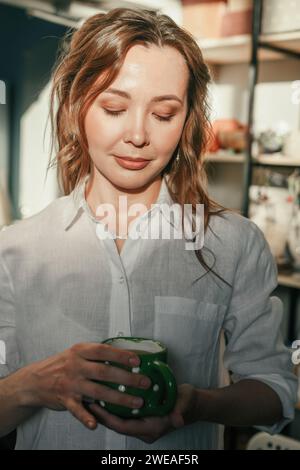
<point>118,113</point>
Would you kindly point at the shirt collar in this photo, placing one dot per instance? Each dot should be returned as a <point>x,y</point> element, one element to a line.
<point>78,203</point>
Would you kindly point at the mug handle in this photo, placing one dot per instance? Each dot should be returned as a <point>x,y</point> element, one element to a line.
<point>171,387</point>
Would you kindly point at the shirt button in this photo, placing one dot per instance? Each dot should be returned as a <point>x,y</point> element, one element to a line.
<point>121,279</point>
<point>120,333</point>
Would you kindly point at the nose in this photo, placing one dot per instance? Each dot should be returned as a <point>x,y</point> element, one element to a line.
<point>136,130</point>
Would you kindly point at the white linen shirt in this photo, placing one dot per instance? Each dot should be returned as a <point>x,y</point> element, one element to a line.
<point>60,285</point>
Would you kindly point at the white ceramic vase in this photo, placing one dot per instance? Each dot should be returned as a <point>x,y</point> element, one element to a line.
<point>294,238</point>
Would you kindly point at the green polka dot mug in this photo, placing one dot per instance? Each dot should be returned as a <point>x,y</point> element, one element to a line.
<point>160,398</point>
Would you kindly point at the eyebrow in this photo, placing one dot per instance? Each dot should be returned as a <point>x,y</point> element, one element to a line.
<point>156,99</point>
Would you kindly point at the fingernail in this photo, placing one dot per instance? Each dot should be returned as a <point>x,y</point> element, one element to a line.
<point>145,382</point>
<point>137,402</point>
<point>134,361</point>
<point>91,424</point>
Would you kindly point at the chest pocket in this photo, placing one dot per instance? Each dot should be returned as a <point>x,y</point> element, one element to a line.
<point>190,329</point>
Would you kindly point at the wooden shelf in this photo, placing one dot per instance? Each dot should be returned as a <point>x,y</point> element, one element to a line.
<point>233,49</point>
<point>225,157</point>
<point>289,280</point>
<point>290,40</point>
<point>277,159</point>
<point>237,49</point>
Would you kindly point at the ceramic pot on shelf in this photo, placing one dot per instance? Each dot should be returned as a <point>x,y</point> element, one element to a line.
<point>294,238</point>
<point>273,215</point>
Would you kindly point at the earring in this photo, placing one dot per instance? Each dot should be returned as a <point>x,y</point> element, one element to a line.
<point>177,159</point>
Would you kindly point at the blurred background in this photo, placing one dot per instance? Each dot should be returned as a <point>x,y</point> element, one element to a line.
<point>252,48</point>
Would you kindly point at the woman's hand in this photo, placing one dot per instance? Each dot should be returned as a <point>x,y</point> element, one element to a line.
<point>152,428</point>
<point>60,382</point>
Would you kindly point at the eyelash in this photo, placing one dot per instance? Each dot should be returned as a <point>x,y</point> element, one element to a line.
<point>118,113</point>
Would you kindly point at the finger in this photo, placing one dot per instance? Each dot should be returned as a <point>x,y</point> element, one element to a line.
<point>79,412</point>
<point>113,421</point>
<point>99,371</point>
<point>104,352</point>
<point>107,394</point>
<point>176,416</point>
<point>108,420</point>
<point>176,420</point>
<point>145,427</point>
<point>182,400</point>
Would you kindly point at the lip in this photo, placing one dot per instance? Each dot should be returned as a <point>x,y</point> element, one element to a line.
<point>132,163</point>
<point>132,158</point>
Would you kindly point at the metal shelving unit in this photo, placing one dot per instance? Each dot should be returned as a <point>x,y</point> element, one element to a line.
<point>254,49</point>
<point>277,45</point>
<point>285,45</point>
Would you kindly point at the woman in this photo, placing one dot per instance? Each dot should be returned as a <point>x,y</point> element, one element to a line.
<point>133,84</point>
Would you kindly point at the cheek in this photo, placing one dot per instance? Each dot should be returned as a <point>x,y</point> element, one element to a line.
<point>98,130</point>
<point>167,140</point>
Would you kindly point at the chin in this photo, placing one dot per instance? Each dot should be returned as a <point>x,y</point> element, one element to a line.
<point>131,181</point>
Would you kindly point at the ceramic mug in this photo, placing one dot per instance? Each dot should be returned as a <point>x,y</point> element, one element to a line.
<point>160,398</point>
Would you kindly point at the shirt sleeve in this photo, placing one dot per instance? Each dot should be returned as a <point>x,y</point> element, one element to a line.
<point>8,344</point>
<point>254,345</point>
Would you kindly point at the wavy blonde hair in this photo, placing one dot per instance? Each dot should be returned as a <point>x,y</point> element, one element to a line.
<point>100,47</point>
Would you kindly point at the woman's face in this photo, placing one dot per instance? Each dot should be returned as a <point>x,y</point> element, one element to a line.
<point>141,117</point>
